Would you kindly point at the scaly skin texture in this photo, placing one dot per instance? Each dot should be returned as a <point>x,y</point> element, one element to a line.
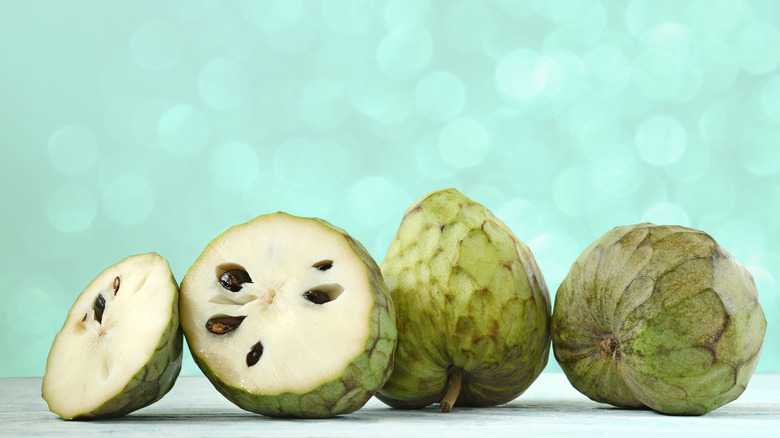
<point>468,295</point>
<point>659,317</point>
<point>361,378</point>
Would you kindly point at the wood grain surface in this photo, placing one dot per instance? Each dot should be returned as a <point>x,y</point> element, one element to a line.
<point>551,407</point>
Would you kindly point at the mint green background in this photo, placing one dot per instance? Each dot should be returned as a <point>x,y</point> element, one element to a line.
<point>154,126</point>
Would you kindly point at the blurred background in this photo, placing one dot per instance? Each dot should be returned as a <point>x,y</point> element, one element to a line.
<point>128,127</point>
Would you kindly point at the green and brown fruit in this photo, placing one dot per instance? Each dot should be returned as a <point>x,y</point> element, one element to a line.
<point>473,311</point>
<point>120,348</point>
<point>659,317</point>
<point>289,317</point>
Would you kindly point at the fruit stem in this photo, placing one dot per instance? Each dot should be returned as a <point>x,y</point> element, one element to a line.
<point>454,382</point>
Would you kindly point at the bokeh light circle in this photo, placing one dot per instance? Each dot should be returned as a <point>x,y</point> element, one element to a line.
<point>73,150</point>
<point>660,140</point>
<point>520,74</point>
<point>323,104</point>
<point>349,17</point>
<point>399,14</point>
<point>608,71</point>
<point>71,207</point>
<point>467,26</point>
<point>759,48</point>
<point>440,96</point>
<point>464,142</point>
<point>760,149</point>
<point>128,198</point>
<point>665,213</point>
<point>223,83</point>
<point>404,52</point>
<point>573,192</point>
<point>313,165</point>
<point>770,99</point>
<point>234,166</point>
<point>183,129</point>
<point>376,200</point>
<point>156,45</point>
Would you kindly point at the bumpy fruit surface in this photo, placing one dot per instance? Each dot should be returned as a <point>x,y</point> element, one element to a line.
<point>472,307</point>
<point>659,317</point>
<point>120,347</point>
<point>289,317</point>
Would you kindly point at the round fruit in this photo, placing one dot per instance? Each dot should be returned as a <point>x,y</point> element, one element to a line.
<point>289,317</point>
<point>120,348</point>
<point>659,317</point>
<point>473,311</point>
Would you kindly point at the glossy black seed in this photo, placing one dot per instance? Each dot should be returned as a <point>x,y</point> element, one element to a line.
<point>223,324</point>
<point>99,306</point>
<point>254,354</point>
<point>316,296</point>
<point>233,279</point>
<point>323,265</point>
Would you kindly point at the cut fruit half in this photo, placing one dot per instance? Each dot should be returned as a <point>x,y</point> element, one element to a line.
<point>120,348</point>
<point>289,316</point>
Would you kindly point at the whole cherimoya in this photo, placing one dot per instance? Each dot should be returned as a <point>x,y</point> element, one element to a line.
<point>473,311</point>
<point>659,317</point>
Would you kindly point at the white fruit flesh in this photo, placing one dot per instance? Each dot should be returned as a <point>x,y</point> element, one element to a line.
<point>90,362</point>
<point>304,344</point>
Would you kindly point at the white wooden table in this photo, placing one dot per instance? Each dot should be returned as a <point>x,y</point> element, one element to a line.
<point>551,407</point>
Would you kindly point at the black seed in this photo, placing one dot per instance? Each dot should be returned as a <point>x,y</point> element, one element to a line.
<point>116,285</point>
<point>316,296</point>
<point>99,306</point>
<point>323,265</point>
<point>223,324</point>
<point>233,279</point>
<point>254,354</point>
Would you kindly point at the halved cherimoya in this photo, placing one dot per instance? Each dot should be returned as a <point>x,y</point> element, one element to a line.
<point>289,317</point>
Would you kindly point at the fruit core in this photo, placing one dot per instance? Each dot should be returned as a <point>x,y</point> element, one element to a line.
<point>232,277</point>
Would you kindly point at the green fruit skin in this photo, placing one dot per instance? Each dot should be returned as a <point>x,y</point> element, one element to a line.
<point>155,379</point>
<point>468,294</point>
<point>361,378</point>
<point>683,311</point>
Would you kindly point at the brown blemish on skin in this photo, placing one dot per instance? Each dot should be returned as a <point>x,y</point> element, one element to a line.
<point>610,347</point>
